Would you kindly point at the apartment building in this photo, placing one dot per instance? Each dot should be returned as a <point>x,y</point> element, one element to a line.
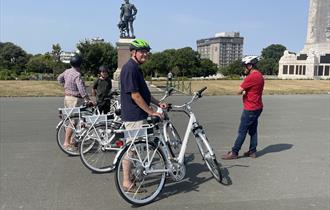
<point>222,49</point>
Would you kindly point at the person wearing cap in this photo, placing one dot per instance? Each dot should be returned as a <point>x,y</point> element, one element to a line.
<point>251,89</point>
<point>101,90</point>
<point>75,93</point>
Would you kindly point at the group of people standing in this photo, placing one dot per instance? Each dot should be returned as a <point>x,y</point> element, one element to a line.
<point>136,98</point>
<point>76,94</point>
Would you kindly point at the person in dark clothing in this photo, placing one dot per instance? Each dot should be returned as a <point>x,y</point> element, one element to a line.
<point>101,90</point>
<point>135,98</point>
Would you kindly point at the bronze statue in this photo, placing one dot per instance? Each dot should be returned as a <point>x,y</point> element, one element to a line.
<point>127,16</point>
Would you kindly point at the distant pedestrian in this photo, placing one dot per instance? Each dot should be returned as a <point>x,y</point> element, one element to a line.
<point>169,78</point>
<point>251,89</point>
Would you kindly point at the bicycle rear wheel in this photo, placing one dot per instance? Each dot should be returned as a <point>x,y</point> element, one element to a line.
<point>209,157</point>
<point>98,150</point>
<point>60,135</point>
<point>146,181</point>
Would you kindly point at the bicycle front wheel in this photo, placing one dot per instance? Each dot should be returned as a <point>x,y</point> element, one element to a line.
<point>209,157</point>
<point>98,150</point>
<point>140,173</point>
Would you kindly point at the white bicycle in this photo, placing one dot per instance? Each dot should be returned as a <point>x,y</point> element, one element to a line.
<point>150,159</point>
<point>100,146</point>
<point>73,118</point>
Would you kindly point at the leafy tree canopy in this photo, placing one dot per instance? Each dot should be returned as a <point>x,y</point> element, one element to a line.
<point>13,57</point>
<point>96,55</point>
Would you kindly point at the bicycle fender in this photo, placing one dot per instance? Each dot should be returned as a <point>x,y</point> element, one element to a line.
<point>164,131</point>
<point>59,124</point>
<point>115,160</point>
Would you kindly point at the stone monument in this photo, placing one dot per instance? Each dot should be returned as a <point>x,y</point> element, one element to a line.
<point>123,53</point>
<point>313,61</point>
<point>127,16</point>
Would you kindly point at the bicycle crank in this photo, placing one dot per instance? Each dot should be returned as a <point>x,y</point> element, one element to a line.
<point>177,172</point>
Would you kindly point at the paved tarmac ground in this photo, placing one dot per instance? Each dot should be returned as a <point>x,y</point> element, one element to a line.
<point>291,172</point>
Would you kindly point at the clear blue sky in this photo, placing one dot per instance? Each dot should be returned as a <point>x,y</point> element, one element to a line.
<point>37,24</point>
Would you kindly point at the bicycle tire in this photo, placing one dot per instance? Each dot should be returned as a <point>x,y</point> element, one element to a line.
<point>173,138</point>
<point>97,155</point>
<point>144,182</point>
<point>209,157</point>
<point>60,136</point>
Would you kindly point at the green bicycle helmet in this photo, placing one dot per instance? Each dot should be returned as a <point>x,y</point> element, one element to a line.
<point>139,44</point>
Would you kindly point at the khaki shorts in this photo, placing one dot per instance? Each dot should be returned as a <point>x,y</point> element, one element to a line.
<point>70,101</point>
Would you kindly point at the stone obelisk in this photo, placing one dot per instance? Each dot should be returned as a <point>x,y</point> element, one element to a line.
<point>318,28</point>
<point>313,62</point>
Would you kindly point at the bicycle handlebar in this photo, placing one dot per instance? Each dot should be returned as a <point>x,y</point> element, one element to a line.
<point>167,94</point>
<point>197,94</point>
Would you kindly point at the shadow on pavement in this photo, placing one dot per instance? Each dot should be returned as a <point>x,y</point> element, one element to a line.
<point>192,181</point>
<point>274,148</point>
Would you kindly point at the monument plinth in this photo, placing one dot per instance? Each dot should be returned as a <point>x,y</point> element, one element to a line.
<point>123,55</point>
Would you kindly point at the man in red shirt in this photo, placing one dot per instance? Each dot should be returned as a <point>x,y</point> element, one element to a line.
<point>251,89</point>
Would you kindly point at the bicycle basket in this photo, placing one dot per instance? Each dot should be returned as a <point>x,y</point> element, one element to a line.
<point>134,133</point>
<point>93,119</point>
<point>69,112</point>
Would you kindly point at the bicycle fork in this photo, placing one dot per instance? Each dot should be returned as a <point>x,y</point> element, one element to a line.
<point>201,140</point>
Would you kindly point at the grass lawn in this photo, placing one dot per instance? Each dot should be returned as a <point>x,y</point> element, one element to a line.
<point>215,87</point>
<point>230,87</point>
<point>30,88</point>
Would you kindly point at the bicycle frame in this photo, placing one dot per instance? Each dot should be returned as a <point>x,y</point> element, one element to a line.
<point>192,121</point>
<point>192,126</point>
<point>150,156</point>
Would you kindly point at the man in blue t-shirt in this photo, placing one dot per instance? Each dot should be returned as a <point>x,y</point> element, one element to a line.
<point>135,96</point>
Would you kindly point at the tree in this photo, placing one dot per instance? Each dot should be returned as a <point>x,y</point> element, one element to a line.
<point>274,51</point>
<point>97,54</point>
<point>235,68</point>
<point>13,57</point>
<point>271,55</point>
<point>207,68</point>
<point>268,66</point>
<point>41,64</point>
<point>181,62</point>
<point>186,60</point>
<point>157,65</point>
<point>56,52</point>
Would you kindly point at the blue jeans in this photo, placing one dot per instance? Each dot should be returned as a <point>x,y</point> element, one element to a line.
<point>249,124</point>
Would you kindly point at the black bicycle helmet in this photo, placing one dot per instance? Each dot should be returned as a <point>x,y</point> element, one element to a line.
<point>139,44</point>
<point>103,69</point>
<point>76,61</point>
